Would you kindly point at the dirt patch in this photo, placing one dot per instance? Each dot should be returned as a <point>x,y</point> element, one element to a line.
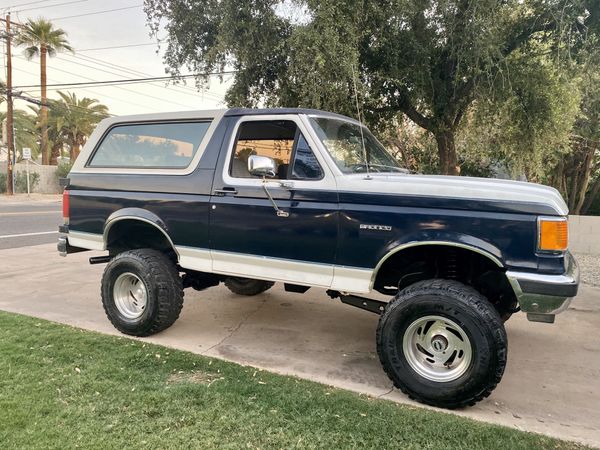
<point>196,377</point>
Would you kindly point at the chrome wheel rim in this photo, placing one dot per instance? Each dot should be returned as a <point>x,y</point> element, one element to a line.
<point>130,295</point>
<point>437,348</point>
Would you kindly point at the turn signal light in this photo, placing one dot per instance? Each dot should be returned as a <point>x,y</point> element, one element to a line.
<point>554,235</point>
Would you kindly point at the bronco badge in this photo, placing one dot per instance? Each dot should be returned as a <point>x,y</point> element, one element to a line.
<point>375,227</point>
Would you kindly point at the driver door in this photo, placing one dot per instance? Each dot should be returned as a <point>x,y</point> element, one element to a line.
<point>247,236</point>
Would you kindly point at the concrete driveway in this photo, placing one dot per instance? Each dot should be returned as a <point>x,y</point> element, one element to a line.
<point>551,386</point>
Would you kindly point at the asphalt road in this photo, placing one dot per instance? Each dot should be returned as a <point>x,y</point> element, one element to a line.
<point>29,223</point>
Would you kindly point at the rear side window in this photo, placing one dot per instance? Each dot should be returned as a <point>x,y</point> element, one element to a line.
<point>153,145</point>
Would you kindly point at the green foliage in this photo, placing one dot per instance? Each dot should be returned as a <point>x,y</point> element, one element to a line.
<point>40,33</point>
<point>427,59</point>
<point>528,123</point>
<point>26,131</point>
<point>63,169</point>
<point>21,181</point>
<point>65,387</point>
<point>71,120</point>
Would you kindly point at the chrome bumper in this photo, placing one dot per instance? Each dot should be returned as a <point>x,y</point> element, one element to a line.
<point>543,296</point>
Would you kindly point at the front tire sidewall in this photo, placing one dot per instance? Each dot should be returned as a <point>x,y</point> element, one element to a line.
<point>488,357</point>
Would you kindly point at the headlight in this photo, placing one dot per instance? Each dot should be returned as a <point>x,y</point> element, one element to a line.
<point>553,234</point>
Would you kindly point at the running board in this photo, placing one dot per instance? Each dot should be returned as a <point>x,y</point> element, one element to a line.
<point>368,304</point>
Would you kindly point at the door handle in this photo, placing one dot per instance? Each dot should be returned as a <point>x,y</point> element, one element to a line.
<point>227,190</point>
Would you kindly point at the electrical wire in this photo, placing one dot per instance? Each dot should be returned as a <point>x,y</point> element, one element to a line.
<point>50,6</point>
<point>179,88</point>
<point>121,88</point>
<point>130,80</point>
<point>97,94</point>
<point>115,46</point>
<point>28,3</point>
<point>97,12</point>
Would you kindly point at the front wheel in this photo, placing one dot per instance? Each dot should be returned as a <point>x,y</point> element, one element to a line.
<point>442,343</point>
<point>142,292</point>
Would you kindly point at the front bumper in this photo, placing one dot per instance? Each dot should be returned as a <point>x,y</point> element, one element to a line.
<point>543,296</point>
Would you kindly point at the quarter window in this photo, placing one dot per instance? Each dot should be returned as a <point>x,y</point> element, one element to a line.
<point>157,145</point>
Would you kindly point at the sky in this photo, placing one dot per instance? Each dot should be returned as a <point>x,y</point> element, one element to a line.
<point>89,35</point>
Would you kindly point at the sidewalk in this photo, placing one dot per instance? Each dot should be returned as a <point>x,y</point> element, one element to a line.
<point>32,198</point>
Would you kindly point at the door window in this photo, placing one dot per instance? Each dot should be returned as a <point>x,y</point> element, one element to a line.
<point>280,140</point>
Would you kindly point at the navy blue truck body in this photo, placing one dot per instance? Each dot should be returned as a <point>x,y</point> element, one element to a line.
<point>349,228</point>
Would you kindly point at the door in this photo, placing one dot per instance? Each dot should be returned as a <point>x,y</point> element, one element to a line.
<point>247,235</point>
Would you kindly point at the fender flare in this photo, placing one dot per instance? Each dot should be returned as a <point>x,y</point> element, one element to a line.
<point>398,248</point>
<point>141,215</point>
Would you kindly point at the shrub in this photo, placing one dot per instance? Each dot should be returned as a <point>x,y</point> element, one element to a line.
<point>21,181</point>
<point>63,169</point>
<point>2,183</point>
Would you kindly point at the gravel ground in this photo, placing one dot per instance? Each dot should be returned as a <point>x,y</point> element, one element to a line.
<point>589,266</point>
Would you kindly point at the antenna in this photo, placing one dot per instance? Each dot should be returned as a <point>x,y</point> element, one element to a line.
<point>362,136</point>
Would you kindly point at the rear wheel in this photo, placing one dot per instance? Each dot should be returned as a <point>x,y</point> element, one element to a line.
<point>442,343</point>
<point>247,286</point>
<point>142,292</point>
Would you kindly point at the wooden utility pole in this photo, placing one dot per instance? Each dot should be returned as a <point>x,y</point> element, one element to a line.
<point>9,112</point>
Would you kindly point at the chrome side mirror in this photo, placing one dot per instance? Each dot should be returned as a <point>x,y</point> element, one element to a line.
<point>261,166</point>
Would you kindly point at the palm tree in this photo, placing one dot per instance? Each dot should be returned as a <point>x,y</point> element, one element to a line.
<point>26,132</point>
<point>70,121</point>
<point>42,39</point>
<point>80,117</point>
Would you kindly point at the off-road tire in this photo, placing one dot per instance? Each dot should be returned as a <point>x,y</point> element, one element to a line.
<point>247,286</point>
<point>163,285</point>
<point>473,313</point>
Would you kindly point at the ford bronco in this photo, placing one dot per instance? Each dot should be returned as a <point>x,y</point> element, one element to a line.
<point>250,197</point>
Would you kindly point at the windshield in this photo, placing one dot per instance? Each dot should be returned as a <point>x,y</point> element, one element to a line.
<point>343,141</point>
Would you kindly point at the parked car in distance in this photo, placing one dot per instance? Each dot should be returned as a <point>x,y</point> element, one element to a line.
<point>251,197</point>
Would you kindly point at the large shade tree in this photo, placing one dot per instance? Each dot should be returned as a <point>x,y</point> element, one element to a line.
<point>428,59</point>
<point>41,39</point>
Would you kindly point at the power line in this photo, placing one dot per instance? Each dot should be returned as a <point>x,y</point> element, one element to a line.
<point>115,46</point>
<point>25,4</point>
<point>127,90</point>
<point>130,80</point>
<point>174,88</point>
<point>97,94</point>
<point>97,12</point>
<point>185,90</point>
<point>51,6</point>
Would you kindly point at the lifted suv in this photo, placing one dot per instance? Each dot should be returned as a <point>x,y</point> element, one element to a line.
<point>312,199</point>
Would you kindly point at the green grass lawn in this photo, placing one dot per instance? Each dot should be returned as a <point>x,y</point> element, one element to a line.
<point>62,387</point>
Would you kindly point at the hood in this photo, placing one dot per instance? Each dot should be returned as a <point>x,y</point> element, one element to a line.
<point>468,188</point>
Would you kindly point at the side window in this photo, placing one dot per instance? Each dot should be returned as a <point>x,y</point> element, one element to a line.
<point>305,166</point>
<point>153,145</point>
<point>274,139</point>
<point>279,140</point>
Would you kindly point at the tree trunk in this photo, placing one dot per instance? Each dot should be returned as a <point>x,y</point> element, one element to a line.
<point>447,152</point>
<point>44,109</point>
<point>591,196</point>
<point>55,153</point>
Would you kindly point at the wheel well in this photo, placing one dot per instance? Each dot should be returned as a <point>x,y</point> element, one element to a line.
<point>448,262</point>
<point>129,234</point>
